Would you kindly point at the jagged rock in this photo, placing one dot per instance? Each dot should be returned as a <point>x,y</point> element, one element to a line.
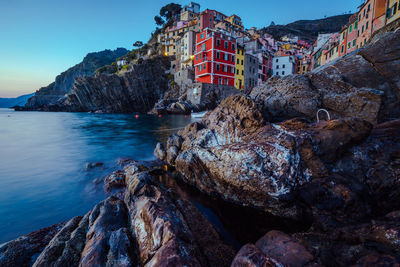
<point>376,163</point>
<point>240,158</point>
<point>92,165</point>
<point>274,249</point>
<point>172,153</point>
<point>363,84</point>
<point>174,140</point>
<point>133,91</point>
<point>25,250</point>
<point>160,152</point>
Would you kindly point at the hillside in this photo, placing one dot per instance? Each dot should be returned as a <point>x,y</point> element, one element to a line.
<point>308,29</point>
<point>16,101</point>
<point>63,83</point>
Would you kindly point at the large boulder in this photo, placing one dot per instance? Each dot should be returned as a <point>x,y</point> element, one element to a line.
<point>274,249</point>
<point>234,154</point>
<point>363,84</point>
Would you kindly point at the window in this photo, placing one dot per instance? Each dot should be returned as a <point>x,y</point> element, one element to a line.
<point>277,73</point>
<point>203,47</point>
<point>202,35</point>
<point>233,58</point>
<point>237,61</point>
<point>283,73</point>
<point>199,68</point>
<point>217,67</point>
<point>277,66</point>
<point>242,62</point>
<point>351,28</point>
<point>197,57</point>
<point>226,44</point>
<point>220,80</point>
<point>200,56</point>
<point>354,42</point>
<point>344,35</point>
<point>337,49</point>
<point>237,72</point>
<point>356,25</point>
<point>362,29</point>
<point>233,70</point>
<point>226,81</point>
<point>284,66</point>
<point>366,27</point>
<point>233,46</point>
<point>204,66</point>
<point>218,42</point>
<point>277,60</point>
<point>226,57</point>
<point>242,72</point>
<point>217,56</point>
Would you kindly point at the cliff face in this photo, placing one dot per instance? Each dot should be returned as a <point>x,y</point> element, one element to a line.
<point>50,94</point>
<point>134,91</point>
<point>308,29</point>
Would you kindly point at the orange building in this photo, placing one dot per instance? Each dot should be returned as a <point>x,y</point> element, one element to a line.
<point>365,19</point>
<point>379,18</point>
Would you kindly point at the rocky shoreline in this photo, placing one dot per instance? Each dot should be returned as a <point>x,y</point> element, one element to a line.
<point>331,187</point>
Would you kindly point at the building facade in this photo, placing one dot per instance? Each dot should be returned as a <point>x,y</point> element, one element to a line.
<point>343,41</point>
<point>240,67</point>
<point>185,50</point>
<point>379,19</point>
<point>365,16</point>
<point>215,58</point>
<point>251,71</point>
<point>352,34</point>
<point>284,65</point>
<point>393,11</point>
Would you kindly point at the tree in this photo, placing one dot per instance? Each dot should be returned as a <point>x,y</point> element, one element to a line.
<point>272,23</point>
<point>159,21</point>
<point>138,44</point>
<point>170,11</point>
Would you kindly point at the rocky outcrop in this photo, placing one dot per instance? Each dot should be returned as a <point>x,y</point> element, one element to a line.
<point>364,84</point>
<point>134,91</point>
<point>47,98</point>
<point>146,225</point>
<point>234,154</point>
<point>174,107</point>
<point>274,249</point>
<point>25,250</point>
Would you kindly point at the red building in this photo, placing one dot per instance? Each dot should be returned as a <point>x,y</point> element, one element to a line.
<point>352,34</point>
<point>215,58</point>
<point>209,18</point>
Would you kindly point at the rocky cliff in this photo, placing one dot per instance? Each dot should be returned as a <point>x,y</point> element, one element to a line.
<point>17,101</point>
<point>136,90</point>
<point>308,29</point>
<point>51,94</point>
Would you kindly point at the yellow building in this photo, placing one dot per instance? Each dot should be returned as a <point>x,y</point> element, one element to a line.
<point>236,21</point>
<point>239,75</point>
<point>174,33</point>
<point>393,11</point>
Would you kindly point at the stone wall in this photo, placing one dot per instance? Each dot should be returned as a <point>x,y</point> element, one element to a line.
<point>209,94</point>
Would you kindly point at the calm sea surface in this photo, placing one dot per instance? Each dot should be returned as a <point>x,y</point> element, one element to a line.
<point>43,157</point>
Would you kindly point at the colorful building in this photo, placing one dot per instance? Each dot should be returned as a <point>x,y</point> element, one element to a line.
<point>365,19</point>
<point>379,15</point>
<point>343,41</point>
<point>185,50</point>
<point>215,58</point>
<point>236,21</point>
<point>209,18</point>
<point>240,67</point>
<point>393,11</point>
<point>352,34</point>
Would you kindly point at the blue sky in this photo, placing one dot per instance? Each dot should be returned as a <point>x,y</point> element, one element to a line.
<point>41,38</point>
